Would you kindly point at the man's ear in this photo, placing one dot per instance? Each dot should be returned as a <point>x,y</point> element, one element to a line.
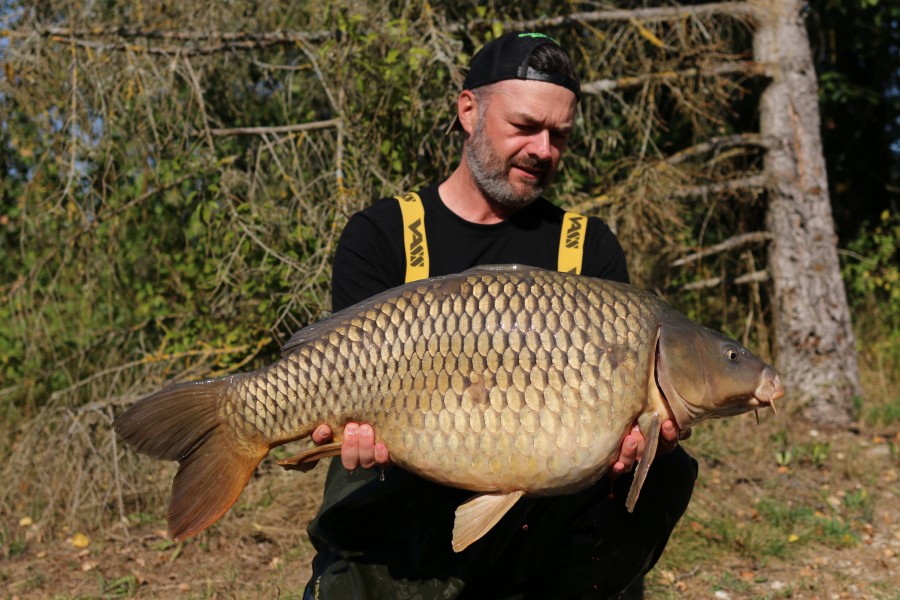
<point>467,109</point>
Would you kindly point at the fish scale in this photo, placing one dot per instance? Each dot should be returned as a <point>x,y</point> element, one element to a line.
<point>505,380</point>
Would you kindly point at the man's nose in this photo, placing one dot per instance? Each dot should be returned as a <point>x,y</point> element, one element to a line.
<point>540,147</point>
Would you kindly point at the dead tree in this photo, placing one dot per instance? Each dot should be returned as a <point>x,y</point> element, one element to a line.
<point>815,342</point>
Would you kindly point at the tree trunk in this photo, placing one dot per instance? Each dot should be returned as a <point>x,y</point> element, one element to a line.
<point>816,347</point>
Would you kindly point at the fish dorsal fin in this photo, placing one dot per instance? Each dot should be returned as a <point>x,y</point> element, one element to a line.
<point>477,516</point>
<point>308,459</point>
<point>514,268</point>
<point>649,424</point>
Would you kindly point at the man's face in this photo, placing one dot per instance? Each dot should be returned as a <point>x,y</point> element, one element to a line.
<point>521,131</point>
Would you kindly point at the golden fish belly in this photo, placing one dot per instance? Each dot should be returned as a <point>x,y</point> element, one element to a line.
<point>489,380</point>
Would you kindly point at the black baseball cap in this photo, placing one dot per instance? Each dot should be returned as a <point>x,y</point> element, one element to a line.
<point>507,57</point>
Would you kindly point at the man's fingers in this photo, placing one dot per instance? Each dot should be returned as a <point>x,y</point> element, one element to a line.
<point>639,439</point>
<point>322,435</point>
<point>366,446</point>
<point>668,438</point>
<point>359,448</point>
<point>627,455</point>
<point>634,445</point>
<point>382,457</point>
<point>350,447</point>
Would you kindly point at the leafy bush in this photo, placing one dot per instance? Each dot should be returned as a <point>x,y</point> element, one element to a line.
<point>871,270</point>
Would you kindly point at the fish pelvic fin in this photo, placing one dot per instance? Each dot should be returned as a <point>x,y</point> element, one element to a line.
<point>477,516</point>
<point>308,459</point>
<point>650,425</point>
<point>182,423</point>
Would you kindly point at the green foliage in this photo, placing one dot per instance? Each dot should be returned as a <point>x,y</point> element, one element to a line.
<point>121,587</point>
<point>813,453</point>
<point>795,523</point>
<point>816,453</point>
<point>784,451</point>
<point>871,270</point>
<point>756,539</point>
<point>11,545</point>
<point>885,413</point>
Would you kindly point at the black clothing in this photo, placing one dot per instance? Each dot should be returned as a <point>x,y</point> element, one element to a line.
<point>388,535</point>
<point>370,256</point>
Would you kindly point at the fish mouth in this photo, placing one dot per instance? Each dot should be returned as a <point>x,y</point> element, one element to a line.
<point>769,389</point>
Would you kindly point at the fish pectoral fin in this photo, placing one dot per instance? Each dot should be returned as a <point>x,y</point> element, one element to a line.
<point>477,516</point>
<point>308,459</point>
<point>649,423</point>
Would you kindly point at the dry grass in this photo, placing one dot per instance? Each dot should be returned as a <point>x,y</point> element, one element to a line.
<point>737,539</point>
<point>823,524</point>
<point>258,550</point>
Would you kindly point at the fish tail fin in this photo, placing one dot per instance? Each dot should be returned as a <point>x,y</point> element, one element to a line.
<point>182,423</point>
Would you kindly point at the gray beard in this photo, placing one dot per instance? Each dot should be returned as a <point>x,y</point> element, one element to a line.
<point>490,173</point>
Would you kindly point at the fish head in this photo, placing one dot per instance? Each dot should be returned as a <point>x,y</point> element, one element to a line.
<point>704,374</point>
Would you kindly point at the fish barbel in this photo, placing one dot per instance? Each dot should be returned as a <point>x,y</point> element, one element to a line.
<point>505,380</point>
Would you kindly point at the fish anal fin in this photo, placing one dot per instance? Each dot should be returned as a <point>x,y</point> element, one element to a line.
<point>650,425</point>
<point>308,459</point>
<point>477,516</point>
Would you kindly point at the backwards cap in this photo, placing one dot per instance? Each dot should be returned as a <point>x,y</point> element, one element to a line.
<point>507,57</point>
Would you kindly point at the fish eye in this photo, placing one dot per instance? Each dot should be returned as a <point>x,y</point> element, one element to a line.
<point>731,354</point>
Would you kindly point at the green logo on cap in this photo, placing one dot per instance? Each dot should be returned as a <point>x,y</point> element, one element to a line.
<point>539,35</point>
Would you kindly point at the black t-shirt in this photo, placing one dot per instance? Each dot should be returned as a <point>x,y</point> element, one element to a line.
<point>370,257</point>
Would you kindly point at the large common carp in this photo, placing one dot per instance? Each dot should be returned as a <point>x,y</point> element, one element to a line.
<point>504,380</point>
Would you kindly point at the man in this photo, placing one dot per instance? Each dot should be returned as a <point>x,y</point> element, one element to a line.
<point>385,533</point>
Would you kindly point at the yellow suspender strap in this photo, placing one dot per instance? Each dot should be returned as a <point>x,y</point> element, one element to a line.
<point>571,243</point>
<point>414,242</point>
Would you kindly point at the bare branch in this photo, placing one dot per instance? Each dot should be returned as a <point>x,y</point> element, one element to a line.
<point>663,13</point>
<point>748,68</point>
<point>171,50</point>
<point>732,185</point>
<point>729,244</point>
<point>101,38</point>
<point>72,124</point>
<point>717,144</point>
<point>755,277</point>
<point>276,129</point>
<point>194,80</point>
<point>285,37</point>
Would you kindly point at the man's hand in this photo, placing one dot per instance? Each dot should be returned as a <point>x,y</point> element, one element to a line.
<point>633,446</point>
<point>359,448</point>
